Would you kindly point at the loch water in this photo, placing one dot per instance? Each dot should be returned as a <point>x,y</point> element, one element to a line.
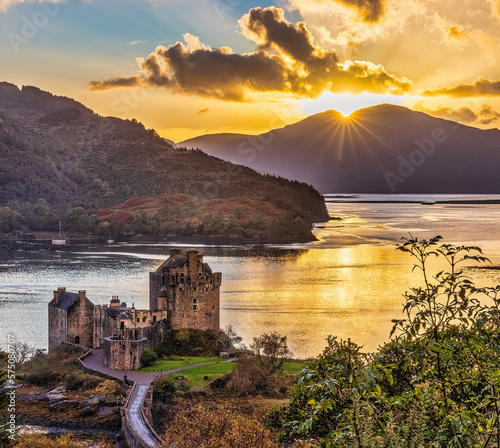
<point>349,283</point>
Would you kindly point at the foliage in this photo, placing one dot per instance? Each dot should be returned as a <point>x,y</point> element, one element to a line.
<point>33,440</point>
<point>23,352</point>
<point>163,388</point>
<point>271,350</point>
<point>217,427</point>
<point>110,388</point>
<point>190,342</point>
<point>148,357</point>
<point>436,383</point>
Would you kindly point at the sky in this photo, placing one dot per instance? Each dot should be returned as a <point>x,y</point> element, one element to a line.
<point>190,67</point>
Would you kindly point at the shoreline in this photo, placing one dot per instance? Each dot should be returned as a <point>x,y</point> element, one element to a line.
<point>446,202</point>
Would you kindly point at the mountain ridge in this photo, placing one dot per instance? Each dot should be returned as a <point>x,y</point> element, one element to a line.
<point>378,149</point>
<point>58,156</point>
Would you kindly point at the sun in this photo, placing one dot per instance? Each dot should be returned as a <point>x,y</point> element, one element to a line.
<point>346,103</point>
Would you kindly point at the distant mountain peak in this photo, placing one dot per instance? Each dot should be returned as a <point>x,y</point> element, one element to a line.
<point>379,149</point>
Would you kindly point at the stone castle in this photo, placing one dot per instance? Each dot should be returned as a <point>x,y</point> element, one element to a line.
<point>183,293</point>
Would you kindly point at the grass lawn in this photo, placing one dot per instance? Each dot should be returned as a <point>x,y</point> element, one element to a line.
<point>163,364</point>
<point>293,367</point>
<point>195,376</point>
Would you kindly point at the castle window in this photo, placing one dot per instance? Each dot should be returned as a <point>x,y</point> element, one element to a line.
<point>144,319</point>
<point>194,289</point>
<point>194,307</point>
<point>213,307</point>
<point>122,325</point>
<point>138,319</point>
<point>154,318</point>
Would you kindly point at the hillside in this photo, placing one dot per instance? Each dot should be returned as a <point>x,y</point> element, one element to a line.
<point>58,157</point>
<point>381,149</point>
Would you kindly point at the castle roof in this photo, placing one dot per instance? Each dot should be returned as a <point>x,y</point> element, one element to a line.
<point>115,311</point>
<point>123,316</point>
<point>175,261</point>
<point>65,300</point>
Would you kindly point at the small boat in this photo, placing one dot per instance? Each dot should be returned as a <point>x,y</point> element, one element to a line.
<point>110,241</point>
<point>61,241</point>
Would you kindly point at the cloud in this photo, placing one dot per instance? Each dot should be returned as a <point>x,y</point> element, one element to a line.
<point>485,115</point>
<point>5,4</point>
<point>286,61</point>
<point>481,87</point>
<point>370,10</point>
<point>203,111</point>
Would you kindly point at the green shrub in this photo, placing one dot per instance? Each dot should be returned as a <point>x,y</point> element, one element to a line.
<point>148,357</point>
<point>163,388</point>
<point>74,382</point>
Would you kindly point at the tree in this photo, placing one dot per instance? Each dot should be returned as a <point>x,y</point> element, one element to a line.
<point>240,212</point>
<point>148,357</point>
<point>271,350</point>
<point>23,352</point>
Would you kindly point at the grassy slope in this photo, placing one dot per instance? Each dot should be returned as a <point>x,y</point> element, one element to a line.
<point>165,364</point>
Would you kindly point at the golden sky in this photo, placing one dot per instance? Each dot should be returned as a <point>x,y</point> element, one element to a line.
<point>191,67</point>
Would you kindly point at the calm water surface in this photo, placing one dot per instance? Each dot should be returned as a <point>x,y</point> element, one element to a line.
<point>348,283</point>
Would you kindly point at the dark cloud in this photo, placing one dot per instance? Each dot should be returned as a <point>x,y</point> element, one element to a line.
<point>371,10</point>
<point>269,28</point>
<point>129,81</point>
<point>203,111</point>
<point>485,115</point>
<point>286,61</point>
<point>481,87</point>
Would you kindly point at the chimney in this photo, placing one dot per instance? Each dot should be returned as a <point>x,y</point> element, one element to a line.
<point>81,296</point>
<point>174,252</point>
<point>200,258</point>
<point>56,297</point>
<point>60,290</point>
<point>193,263</point>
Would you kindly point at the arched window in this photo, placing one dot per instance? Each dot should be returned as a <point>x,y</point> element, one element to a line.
<point>77,340</point>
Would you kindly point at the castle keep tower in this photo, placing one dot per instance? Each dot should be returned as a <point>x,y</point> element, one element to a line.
<point>186,287</point>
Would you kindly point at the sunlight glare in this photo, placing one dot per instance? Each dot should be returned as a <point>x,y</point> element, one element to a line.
<point>346,103</point>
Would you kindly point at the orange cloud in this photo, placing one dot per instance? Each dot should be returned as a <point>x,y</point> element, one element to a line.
<point>485,115</point>
<point>481,87</point>
<point>370,10</point>
<point>287,62</point>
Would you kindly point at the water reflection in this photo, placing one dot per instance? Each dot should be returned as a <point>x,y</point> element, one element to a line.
<point>349,283</point>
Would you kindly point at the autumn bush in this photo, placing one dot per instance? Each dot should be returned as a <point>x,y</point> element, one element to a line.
<point>218,426</point>
<point>33,440</point>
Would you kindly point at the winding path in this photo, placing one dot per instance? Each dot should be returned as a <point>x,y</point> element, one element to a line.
<point>142,380</point>
<point>135,417</point>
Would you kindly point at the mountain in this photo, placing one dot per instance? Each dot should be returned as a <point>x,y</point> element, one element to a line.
<point>381,149</point>
<point>60,160</point>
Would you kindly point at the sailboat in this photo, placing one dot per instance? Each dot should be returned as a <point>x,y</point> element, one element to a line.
<point>61,241</point>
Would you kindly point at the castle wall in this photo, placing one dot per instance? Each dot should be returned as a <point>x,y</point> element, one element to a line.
<point>80,327</point>
<point>191,293</point>
<point>57,327</point>
<point>124,351</point>
<point>196,302</point>
<point>156,282</point>
<point>103,326</point>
